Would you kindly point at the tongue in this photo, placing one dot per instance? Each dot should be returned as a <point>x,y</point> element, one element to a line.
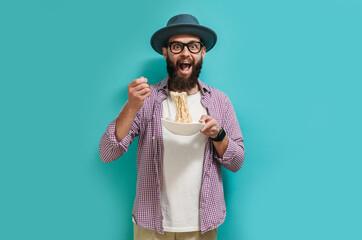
<point>184,67</point>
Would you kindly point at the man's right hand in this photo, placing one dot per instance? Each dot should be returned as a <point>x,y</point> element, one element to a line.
<point>138,91</point>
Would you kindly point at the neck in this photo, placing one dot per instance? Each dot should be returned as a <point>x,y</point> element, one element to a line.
<point>194,90</point>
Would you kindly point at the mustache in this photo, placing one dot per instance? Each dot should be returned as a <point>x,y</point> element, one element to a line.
<point>187,59</point>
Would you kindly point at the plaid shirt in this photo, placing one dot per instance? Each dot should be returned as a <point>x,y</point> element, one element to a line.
<point>148,127</point>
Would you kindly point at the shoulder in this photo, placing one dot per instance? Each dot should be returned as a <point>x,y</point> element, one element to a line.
<point>216,94</point>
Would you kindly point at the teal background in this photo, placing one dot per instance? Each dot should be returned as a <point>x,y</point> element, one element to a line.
<point>292,70</point>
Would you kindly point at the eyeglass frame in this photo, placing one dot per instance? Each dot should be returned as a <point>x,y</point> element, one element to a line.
<point>168,44</point>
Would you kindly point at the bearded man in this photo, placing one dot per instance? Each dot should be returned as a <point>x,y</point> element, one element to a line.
<point>179,193</point>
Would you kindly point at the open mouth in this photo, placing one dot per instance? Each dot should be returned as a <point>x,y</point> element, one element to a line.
<point>185,67</point>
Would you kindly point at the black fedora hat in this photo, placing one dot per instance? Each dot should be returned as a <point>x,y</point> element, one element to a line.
<point>183,24</point>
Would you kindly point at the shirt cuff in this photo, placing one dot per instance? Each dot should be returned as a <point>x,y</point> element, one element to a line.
<point>229,152</point>
<point>111,133</point>
<point>231,159</point>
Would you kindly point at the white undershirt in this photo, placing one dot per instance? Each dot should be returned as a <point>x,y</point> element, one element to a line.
<point>183,158</point>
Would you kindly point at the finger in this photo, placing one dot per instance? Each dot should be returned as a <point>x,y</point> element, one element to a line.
<point>208,134</point>
<point>138,81</point>
<point>139,90</point>
<point>204,118</point>
<point>143,91</point>
<point>211,125</point>
<point>141,86</point>
<point>208,126</point>
<point>143,97</point>
<point>211,132</point>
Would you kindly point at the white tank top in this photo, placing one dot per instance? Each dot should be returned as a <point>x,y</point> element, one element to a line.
<point>183,158</point>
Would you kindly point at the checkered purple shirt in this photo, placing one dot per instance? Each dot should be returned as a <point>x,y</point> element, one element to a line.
<point>147,126</point>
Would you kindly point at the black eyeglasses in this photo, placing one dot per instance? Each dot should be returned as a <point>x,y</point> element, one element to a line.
<point>178,47</point>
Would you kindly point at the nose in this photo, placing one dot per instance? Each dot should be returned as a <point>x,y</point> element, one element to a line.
<point>185,51</point>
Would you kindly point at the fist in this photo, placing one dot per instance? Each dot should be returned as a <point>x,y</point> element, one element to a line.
<point>211,128</point>
<point>138,91</point>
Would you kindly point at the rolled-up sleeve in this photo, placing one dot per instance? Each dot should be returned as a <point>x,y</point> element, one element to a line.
<point>109,148</point>
<point>233,157</point>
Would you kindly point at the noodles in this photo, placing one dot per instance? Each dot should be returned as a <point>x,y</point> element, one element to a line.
<point>182,109</point>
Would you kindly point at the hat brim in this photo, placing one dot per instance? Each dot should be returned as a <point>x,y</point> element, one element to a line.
<point>207,36</point>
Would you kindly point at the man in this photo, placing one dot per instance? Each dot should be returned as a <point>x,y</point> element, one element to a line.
<point>179,191</point>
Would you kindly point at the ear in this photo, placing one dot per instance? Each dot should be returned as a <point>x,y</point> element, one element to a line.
<point>203,51</point>
<point>164,52</point>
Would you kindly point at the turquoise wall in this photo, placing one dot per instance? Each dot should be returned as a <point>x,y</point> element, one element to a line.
<point>292,70</point>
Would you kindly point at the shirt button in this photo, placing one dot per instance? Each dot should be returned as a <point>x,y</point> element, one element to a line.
<point>153,137</point>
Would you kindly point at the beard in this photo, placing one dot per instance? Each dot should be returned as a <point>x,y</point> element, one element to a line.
<point>180,83</point>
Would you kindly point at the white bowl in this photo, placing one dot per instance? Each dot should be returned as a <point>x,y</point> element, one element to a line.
<point>185,129</point>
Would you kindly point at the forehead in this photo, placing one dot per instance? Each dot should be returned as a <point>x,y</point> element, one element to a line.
<point>183,38</point>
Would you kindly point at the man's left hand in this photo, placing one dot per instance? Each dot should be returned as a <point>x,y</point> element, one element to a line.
<point>211,128</point>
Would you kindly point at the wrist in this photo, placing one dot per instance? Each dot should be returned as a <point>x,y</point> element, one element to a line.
<point>220,136</point>
<point>130,109</point>
<point>217,133</point>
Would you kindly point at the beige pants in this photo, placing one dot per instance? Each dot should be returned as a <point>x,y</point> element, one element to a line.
<point>146,234</point>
